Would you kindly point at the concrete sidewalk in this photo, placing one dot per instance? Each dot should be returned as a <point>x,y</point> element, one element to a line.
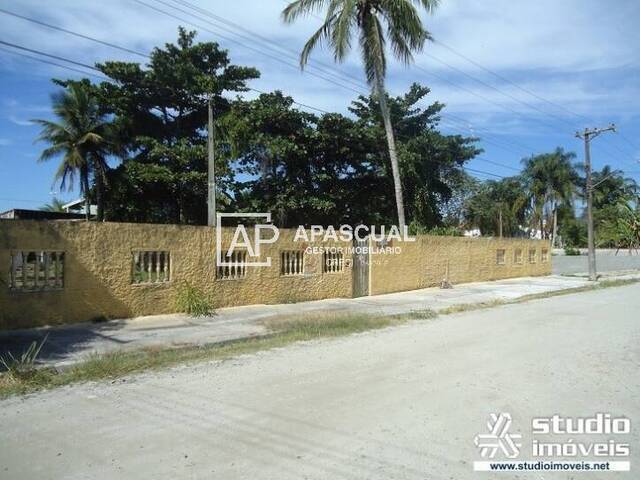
<point>69,344</point>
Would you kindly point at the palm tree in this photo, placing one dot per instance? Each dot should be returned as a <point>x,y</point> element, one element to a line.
<point>79,136</point>
<point>551,181</point>
<point>56,205</point>
<point>404,30</point>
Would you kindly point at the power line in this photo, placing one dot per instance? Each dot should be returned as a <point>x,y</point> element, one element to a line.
<point>147,56</point>
<point>75,34</point>
<point>253,89</point>
<point>507,80</point>
<point>217,34</point>
<point>42,60</point>
<point>484,137</point>
<point>488,85</point>
<point>486,160</point>
<point>261,43</point>
<point>497,89</point>
<point>472,127</point>
<point>509,95</point>
<point>227,22</point>
<point>473,170</point>
<point>353,79</point>
<point>55,57</point>
<point>250,88</point>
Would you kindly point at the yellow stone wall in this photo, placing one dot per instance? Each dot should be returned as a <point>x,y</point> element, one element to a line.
<point>425,262</point>
<point>99,264</point>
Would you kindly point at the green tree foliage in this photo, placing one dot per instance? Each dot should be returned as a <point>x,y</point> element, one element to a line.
<point>621,229</point>
<point>161,112</point>
<point>328,169</point>
<point>498,202</point>
<point>56,205</point>
<point>367,19</point>
<point>615,204</point>
<point>550,181</point>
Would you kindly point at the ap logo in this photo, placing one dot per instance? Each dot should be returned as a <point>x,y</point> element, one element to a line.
<point>498,438</point>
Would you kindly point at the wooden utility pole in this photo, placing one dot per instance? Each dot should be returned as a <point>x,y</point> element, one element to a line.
<point>211,169</point>
<point>500,220</point>
<point>587,135</point>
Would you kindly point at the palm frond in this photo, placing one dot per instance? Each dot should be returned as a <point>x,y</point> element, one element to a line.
<point>428,5</point>
<point>301,8</point>
<point>341,33</point>
<point>317,38</point>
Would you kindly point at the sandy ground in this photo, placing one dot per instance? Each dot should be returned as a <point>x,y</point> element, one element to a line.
<point>401,403</point>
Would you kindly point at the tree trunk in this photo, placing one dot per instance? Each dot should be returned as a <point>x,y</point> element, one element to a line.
<point>555,226</point>
<point>100,196</point>
<point>391,142</point>
<point>85,186</point>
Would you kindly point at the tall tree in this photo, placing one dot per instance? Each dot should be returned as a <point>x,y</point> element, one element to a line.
<point>499,206</point>
<point>328,169</point>
<point>404,31</point>
<point>161,111</point>
<point>80,136</point>
<point>550,180</point>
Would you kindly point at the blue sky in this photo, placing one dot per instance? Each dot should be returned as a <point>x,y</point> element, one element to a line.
<point>557,67</point>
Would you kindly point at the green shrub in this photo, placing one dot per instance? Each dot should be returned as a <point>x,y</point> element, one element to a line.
<point>192,301</point>
<point>23,365</point>
<point>571,251</point>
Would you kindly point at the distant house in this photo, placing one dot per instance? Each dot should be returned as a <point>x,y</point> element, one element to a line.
<point>24,214</point>
<point>73,210</point>
<point>77,206</point>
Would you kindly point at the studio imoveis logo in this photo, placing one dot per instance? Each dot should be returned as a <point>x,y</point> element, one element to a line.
<point>498,437</point>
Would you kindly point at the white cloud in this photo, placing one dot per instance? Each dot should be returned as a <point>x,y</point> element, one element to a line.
<point>19,122</point>
<point>572,52</point>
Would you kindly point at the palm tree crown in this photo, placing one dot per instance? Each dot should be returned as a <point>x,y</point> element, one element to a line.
<point>79,136</point>
<point>551,181</point>
<point>404,29</point>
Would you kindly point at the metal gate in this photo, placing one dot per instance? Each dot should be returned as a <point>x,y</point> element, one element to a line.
<point>360,268</point>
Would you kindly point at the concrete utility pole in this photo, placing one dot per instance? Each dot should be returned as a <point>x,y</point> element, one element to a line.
<point>587,135</point>
<point>211,169</point>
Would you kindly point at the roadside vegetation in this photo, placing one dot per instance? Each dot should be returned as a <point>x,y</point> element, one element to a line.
<point>22,375</point>
<point>25,377</point>
<point>193,301</point>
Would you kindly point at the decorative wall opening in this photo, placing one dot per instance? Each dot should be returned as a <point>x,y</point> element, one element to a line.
<point>236,270</point>
<point>36,270</point>
<point>532,255</point>
<point>500,256</point>
<point>517,256</point>
<point>332,262</point>
<point>544,255</point>
<point>151,267</point>
<point>291,262</point>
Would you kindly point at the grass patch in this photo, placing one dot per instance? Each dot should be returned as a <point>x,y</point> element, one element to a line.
<point>282,331</point>
<point>193,301</point>
<point>466,307</point>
